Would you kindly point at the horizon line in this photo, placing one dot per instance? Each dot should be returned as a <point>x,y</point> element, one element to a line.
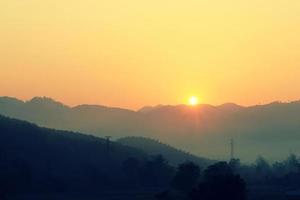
<point>150,106</point>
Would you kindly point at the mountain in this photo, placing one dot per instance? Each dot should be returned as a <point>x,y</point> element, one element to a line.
<point>173,155</point>
<point>84,118</point>
<point>35,160</point>
<point>201,130</point>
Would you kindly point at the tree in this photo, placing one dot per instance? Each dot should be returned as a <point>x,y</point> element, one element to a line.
<point>156,172</point>
<point>262,168</point>
<point>292,164</point>
<point>219,169</point>
<point>186,177</point>
<point>235,164</point>
<point>220,183</point>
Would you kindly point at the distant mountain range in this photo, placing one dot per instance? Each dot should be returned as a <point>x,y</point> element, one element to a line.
<point>271,130</point>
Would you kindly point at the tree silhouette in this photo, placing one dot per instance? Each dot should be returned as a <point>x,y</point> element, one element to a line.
<point>156,172</point>
<point>220,183</point>
<point>292,164</point>
<point>262,169</point>
<point>219,169</point>
<point>186,177</point>
<point>235,164</point>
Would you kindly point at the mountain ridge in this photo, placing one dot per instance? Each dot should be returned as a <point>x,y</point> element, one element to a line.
<point>202,130</point>
<point>46,99</point>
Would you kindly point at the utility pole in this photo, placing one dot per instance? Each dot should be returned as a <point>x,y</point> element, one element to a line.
<point>231,149</point>
<point>108,145</point>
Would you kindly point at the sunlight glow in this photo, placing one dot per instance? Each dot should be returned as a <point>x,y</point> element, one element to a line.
<point>193,101</point>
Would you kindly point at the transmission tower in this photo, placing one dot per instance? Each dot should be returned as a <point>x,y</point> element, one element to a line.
<point>231,149</point>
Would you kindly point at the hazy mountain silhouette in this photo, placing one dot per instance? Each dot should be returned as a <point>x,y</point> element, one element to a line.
<point>173,155</point>
<point>44,161</point>
<point>23,140</point>
<point>203,130</point>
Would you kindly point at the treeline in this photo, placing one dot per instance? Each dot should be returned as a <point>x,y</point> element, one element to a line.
<point>282,173</point>
<point>222,180</point>
<point>187,181</point>
<point>218,181</point>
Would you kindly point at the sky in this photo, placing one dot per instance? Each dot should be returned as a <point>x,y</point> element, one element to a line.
<point>136,52</point>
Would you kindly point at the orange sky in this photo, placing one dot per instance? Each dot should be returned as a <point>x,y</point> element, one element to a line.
<point>137,52</point>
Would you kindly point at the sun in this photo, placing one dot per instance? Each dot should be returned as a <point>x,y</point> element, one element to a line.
<point>193,101</point>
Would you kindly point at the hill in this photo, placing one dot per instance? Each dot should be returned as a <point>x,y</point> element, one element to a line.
<point>37,160</point>
<point>173,155</point>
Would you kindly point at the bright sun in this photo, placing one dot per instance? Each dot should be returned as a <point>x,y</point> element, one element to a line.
<point>193,101</point>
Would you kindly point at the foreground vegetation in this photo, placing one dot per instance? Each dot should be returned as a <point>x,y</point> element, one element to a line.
<point>39,163</point>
